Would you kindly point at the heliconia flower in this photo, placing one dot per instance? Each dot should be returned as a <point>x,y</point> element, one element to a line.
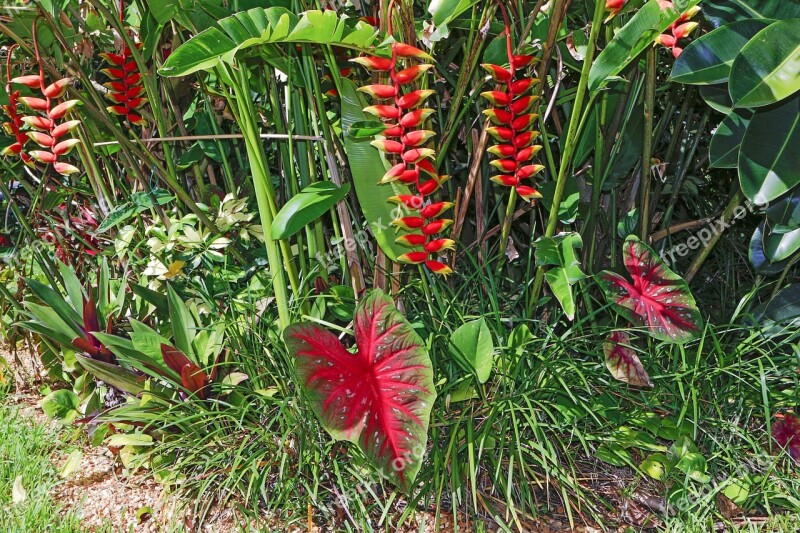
<point>512,119</point>
<point>680,29</point>
<point>415,165</point>
<point>125,88</point>
<point>614,7</point>
<point>379,91</point>
<point>45,130</point>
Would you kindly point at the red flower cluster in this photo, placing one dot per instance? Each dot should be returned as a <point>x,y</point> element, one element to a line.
<point>403,140</point>
<point>46,129</point>
<point>14,126</point>
<point>513,124</point>
<point>678,30</point>
<point>125,87</point>
<point>614,7</point>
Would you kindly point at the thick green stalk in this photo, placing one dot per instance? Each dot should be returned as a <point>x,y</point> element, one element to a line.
<point>265,195</point>
<point>571,140</point>
<point>647,149</point>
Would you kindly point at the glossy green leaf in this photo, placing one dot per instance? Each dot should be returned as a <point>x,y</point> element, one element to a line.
<point>444,11</point>
<point>781,245</point>
<point>559,253</point>
<point>717,97</point>
<point>182,322</point>
<point>631,40</point>
<point>758,257</point>
<point>783,308</point>
<point>367,168</point>
<point>305,207</point>
<point>708,59</point>
<point>786,211</point>
<point>260,26</point>
<point>769,160</point>
<point>472,342</point>
<point>727,139</point>
<point>366,129</point>
<point>721,12</point>
<point>767,70</point>
<point>121,378</point>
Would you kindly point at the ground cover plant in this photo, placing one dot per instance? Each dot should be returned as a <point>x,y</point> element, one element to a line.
<point>491,264</point>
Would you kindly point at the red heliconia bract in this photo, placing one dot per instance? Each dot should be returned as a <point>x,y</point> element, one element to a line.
<point>658,298</point>
<point>678,29</point>
<point>413,164</point>
<point>14,126</point>
<point>380,397</point>
<point>45,126</point>
<point>513,123</point>
<point>125,90</point>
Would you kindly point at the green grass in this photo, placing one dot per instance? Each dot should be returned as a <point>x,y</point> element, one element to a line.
<point>25,451</point>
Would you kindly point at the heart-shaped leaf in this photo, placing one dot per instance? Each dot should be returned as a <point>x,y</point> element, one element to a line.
<point>622,361</point>
<point>658,298</point>
<point>786,432</point>
<point>380,397</point>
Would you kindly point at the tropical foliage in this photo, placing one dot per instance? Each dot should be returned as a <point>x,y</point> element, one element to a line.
<point>495,247</point>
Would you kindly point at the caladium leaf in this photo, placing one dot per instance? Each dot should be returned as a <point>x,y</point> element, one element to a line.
<point>622,361</point>
<point>380,397</point>
<point>786,432</point>
<point>658,298</point>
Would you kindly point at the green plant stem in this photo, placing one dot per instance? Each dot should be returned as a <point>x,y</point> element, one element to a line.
<point>570,142</point>
<point>647,148</point>
<point>734,202</point>
<point>506,229</point>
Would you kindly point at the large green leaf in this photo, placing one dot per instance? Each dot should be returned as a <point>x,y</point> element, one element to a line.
<point>121,378</point>
<point>769,160</point>
<point>780,245</point>
<point>565,271</point>
<point>472,343</point>
<point>727,139</point>
<point>305,207</point>
<point>786,211</point>
<point>61,405</point>
<point>758,257</point>
<point>721,12</point>
<point>261,26</point>
<point>639,33</point>
<point>182,322</point>
<point>444,11</point>
<point>768,68</point>
<point>708,59</point>
<point>367,168</point>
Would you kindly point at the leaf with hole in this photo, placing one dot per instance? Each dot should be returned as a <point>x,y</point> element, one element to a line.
<point>622,361</point>
<point>305,207</point>
<point>767,69</point>
<point>657,298</point>
<point>380,397</point>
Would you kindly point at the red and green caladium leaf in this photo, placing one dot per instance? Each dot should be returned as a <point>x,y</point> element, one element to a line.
<point>622,361</point>
<point>658,298</point>
<point>380,397</point>
<point>786,432</point>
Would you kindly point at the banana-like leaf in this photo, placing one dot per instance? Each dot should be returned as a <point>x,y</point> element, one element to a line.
<point>260,26</point>
<point>367,168</point>
<point>305,207</point>
<point>630,41</point>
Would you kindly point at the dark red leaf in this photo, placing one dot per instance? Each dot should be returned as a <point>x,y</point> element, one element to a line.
<point>622,361</point>
<point>379,398</point>
<point>658,298</point>
<point>786,432</point>
<point>192,377</point>
<point>174,358</point>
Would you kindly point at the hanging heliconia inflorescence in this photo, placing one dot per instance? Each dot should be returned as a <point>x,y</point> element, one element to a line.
<point>513,119</point>
<point>48,129</point>
<point>678,30</point>
<point>13,127</point>
<point>125,90</point>
<point>404,139</point>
